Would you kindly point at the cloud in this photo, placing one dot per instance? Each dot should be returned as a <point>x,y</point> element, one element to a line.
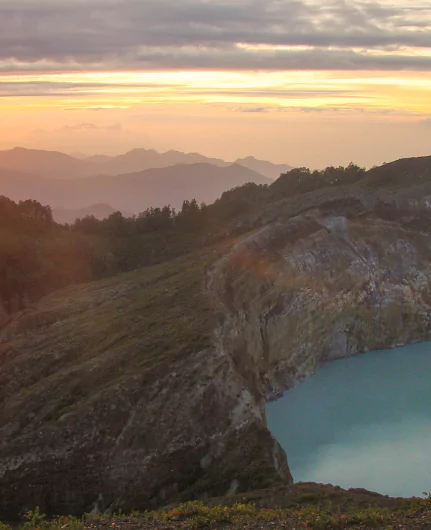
<point>215,34</point>
<point>53,87</point>
<point>114,127</point>
<point>58,88</point>
<point>96,109</point>
<point>332,109</point>
<point>91,127</point>
<point>254,109</point>
<point>80,127</point>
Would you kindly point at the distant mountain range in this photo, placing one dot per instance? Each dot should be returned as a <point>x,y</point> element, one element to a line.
<point>267,169</point>
<point>99,211</point>
<point>98,185</point>
<point>141,159</point>
<point>57,165</point>
<point>131,192</point>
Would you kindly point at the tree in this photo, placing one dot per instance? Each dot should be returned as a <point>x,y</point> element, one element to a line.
<point>189,219</point>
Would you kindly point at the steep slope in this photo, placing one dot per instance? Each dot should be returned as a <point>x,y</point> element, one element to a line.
<point>131,192</point>
<point>112,394</point>
<point>336,273</point>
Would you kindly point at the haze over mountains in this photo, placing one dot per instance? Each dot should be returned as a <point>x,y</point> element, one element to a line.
<point>131,192</point>
<point>59,165</point>
<point>131,183</point>
<point>99,211</point>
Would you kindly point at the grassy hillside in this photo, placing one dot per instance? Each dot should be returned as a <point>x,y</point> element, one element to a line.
<point>141,318</point>
<point>401,173</point>
<point>303,506</point>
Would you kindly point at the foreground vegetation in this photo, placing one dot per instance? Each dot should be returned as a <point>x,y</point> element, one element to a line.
<point>306,514</point>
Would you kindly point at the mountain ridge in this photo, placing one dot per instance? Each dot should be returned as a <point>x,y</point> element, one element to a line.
<point>55,164</point>
<point>99,211</point>
<point>131,192</point>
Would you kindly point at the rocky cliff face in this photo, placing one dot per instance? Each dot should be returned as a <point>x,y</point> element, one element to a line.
<point>150,387</point>
<point>337,278</point>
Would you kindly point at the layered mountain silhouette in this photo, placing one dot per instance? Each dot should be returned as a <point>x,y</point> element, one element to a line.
<point>130,192</point>
<point>99,211</point>
<point>57,165</point>
<point>267,169</point>
<point>141,159</point>
<point>44,163</point>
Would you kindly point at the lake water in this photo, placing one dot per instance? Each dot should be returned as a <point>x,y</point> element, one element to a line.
<point>362,422</point>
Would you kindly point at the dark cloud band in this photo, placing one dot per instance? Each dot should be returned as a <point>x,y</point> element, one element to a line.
<point>234,34</point>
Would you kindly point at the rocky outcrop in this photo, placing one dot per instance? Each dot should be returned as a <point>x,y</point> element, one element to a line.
<point>339,278</point>
<point>150,387</point>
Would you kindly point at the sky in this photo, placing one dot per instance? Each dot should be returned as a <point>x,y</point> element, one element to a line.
<point>304,82</point>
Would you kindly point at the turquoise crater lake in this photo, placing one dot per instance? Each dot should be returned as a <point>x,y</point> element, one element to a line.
<point>364,421</point>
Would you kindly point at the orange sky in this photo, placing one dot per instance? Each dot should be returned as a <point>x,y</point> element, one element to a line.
<point>301,115</point>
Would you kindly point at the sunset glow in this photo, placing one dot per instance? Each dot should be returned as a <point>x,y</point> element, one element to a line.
<point>319,72</point>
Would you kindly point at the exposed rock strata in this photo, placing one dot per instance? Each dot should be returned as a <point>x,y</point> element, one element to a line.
<point>322,285</point>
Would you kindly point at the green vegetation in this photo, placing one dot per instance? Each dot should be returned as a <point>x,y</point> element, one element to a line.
<point>143,319</point>
<point>302,180</point>
<point>411,171</point>
<point>36,520</point>
<point>414,513</point>
<point>198,515</point>
<point>38,256</point>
